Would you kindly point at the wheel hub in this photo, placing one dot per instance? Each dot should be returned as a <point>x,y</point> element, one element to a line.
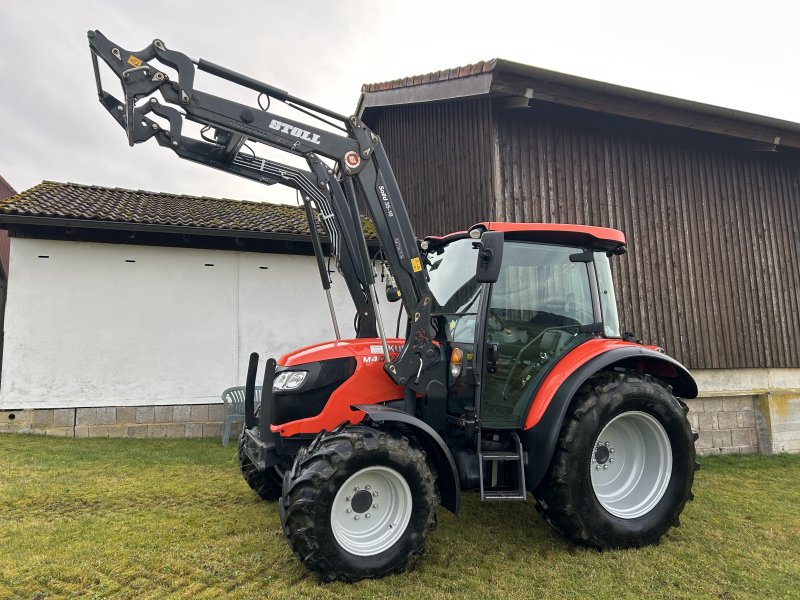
<point>361,501</point>
<point>602,454</point>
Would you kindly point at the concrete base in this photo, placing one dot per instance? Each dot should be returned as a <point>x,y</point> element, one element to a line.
<point>179,421</point>
<point>778,417</point>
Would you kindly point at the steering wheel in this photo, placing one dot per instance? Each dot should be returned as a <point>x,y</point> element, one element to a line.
<point>496,317</point>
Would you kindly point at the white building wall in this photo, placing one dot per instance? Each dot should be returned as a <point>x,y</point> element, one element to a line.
<point>84,327</point>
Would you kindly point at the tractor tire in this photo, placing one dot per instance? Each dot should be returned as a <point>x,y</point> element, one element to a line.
<point>624,464</point>
<point>266,484</point>
<point>358,503</point>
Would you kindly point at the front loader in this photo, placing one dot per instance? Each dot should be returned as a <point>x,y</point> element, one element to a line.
<point>512,376</point>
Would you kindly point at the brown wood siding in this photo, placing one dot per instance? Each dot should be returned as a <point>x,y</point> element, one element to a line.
<point>712,269</point>
<point>441,157</point>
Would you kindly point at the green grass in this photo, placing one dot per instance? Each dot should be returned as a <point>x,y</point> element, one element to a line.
<point>173,518</point>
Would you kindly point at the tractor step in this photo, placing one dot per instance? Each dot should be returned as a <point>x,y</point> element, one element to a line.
<point>499,455</point>
<point>496,493</point>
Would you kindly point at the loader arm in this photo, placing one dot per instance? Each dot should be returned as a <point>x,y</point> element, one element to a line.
<point>362,168</point>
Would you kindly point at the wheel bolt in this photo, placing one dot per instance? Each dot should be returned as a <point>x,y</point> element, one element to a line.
<point>347,511</point>
<point>348,498</point>
<point>356,517</point>
<point>375,494</point>
<point>605,467</point>
<point>611,450</point>
<point>611,460</point>
<point>374,506</point>
<point>355,489</point>
<point>366,487</point>
<point>608,444</point>
<point>597,467</point>
<point>367,515</point>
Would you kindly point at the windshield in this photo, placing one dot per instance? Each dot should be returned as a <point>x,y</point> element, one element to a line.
<point>456,294</point>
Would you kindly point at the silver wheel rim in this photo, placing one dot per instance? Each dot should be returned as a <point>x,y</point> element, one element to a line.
<point>371,511</point>
<point>631,464</point>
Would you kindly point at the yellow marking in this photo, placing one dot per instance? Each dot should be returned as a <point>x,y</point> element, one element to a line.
<point>134,62</point>
<point>416,265</point>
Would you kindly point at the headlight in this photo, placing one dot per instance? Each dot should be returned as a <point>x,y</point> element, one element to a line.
<point>289,380</point>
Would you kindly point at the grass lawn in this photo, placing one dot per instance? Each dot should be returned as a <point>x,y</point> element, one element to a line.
<point>100,518</point>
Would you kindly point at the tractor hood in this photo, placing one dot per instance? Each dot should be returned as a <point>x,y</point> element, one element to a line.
<point>364,348</point>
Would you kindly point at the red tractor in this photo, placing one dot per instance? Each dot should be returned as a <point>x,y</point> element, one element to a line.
<point>513,375</point>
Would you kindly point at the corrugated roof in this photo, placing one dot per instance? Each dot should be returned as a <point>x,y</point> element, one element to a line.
<point>73,201</point>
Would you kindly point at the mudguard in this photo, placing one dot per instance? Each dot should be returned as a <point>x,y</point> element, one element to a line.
<point>434,447</point>
<point>539,439</point>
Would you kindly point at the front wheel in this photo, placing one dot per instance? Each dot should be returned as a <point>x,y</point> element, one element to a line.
<point>358,503</point>
<point>624,464</point>
<point>267,484</point>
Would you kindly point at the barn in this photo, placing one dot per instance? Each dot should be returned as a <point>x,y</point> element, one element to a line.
<point>707,197</point>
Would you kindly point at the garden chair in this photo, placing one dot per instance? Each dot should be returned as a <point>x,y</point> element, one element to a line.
<point>233,408</point>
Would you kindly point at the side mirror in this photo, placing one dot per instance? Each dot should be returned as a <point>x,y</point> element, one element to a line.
<point>490,256</point>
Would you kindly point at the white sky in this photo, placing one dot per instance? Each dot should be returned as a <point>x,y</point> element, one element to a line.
<point>741,55</point>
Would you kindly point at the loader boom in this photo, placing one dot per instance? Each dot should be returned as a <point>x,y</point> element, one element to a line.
<point>361,170</point>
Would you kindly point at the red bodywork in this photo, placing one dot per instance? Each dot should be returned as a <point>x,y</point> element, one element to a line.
<point>369,384</point>
<point>566,367</point>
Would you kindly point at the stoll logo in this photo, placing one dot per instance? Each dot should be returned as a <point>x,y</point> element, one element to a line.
<point>294,131</point>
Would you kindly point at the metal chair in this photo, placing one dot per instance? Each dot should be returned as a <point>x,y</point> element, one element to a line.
<point>233,408</point>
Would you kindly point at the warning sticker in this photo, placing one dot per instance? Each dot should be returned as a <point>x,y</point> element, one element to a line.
<point>416,264</point>
<point>134,62</point>
<point>376,349</point>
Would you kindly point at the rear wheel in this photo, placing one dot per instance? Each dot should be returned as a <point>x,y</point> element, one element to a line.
<point>624,464</point>
<point>358,503</point>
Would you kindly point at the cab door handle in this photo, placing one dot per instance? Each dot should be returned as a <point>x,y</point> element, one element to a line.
<point>492,356</point>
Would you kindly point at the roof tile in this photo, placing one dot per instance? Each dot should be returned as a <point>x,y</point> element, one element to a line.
<point>458,72</point>
<point>95,203</point>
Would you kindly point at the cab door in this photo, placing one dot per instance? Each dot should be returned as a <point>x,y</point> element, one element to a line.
<point>540,308</point>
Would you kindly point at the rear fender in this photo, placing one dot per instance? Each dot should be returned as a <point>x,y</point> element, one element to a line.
<point>540,438</point>
<point>433,445</point>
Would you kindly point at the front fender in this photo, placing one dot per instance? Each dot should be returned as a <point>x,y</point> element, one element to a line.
<point>546,415</point>
<point>434,447</point>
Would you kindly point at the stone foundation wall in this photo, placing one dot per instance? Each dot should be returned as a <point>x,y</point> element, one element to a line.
<point>742,424</point>
<point>726,425</point>
<point>190,421</point>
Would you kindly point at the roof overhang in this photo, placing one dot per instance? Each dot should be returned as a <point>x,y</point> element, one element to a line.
<point>506,79</point>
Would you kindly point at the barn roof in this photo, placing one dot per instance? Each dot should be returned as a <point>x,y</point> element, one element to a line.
<point>71,204</point>
<point>524,85</point>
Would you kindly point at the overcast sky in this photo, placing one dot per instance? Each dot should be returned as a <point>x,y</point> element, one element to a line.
<point>740,55</point>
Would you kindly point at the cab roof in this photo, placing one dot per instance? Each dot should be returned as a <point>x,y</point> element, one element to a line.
<point>597,238</point>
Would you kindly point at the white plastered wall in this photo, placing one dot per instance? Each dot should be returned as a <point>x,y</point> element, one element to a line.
<point>85,327</point>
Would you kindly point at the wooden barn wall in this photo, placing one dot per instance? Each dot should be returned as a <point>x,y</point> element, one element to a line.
<point>442,161</point>
<point>712,273</point>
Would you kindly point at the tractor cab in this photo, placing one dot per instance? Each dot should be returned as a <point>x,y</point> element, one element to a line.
<point>553,291</point>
